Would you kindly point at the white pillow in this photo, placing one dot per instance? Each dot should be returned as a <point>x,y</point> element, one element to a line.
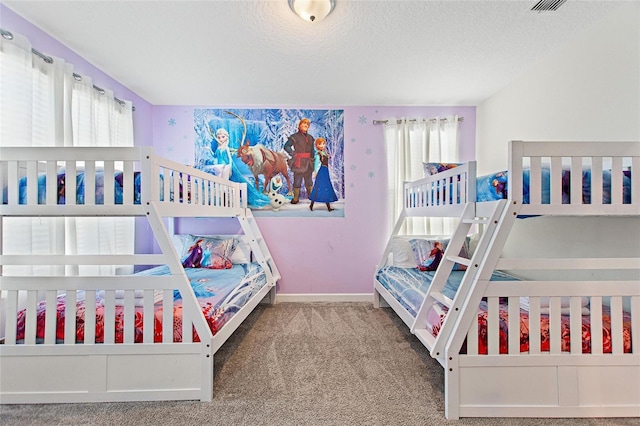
<point>402,252</point>
<point>179,242</point>
<point>242,253</point>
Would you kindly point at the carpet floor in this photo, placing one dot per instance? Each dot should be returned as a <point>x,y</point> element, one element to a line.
<point>301,364</point>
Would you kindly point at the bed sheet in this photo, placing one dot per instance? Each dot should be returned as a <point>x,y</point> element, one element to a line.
<point>493,186</point>
<point>220,293</point>
<point>437,313</point>
<point>409,285</point>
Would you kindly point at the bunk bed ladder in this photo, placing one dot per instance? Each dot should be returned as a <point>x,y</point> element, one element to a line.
<point>259,247</point>
<point>490,221</point>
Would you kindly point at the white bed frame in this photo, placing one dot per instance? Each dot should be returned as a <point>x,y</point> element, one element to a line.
<point>51,372</point>
<point>532,384</point>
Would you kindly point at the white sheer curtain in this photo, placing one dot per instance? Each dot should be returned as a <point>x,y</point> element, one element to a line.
<point>409,143</point>
<point>43,103</point>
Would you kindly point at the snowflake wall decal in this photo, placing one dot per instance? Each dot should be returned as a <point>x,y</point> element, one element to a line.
<point>368,151</point>
<point>353,167</point>
<point>172,122</point>
<point>372,175</point>
<point>363,119</point>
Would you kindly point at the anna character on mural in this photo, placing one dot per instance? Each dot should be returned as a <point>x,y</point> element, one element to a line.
<point>322,188</point>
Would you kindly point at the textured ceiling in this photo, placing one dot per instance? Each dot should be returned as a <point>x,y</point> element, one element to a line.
<point>257,52</point>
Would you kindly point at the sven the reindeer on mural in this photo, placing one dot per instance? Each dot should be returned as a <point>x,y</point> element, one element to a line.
<point>262,161</point>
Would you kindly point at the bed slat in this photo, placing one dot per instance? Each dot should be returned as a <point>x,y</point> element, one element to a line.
<point>90,183</point>
<point>514,325</point>
<point>534,325</point>
<point>596,180</point>
<point>90,317</point>
<point>70,317</point>
<point>595,307</point>
<point>535,181</point>
<point>129,317</point>
<point>616,325</point>
<point>555,336</point>
<point>575,306</point>
<point>148,320</point>
<point>50,325</point>
<point>30,326</point>
<point>493,332</point>
<point>70,182</point>
<point>576,180</point>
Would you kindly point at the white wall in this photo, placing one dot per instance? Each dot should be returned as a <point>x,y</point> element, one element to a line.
<point>587,90</point>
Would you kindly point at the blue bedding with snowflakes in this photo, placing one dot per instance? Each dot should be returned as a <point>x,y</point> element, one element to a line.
<point>229,288</point>
<point>494,186</point>
<point>409,285</point>
<point>220,292</point>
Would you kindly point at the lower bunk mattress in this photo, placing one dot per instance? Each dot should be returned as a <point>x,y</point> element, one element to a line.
<point>220,292</point>
<point>437,314</point>
<point>409,286</point>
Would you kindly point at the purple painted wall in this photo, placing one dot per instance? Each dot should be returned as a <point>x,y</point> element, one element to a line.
<point>323,255</point>
<point>315,256</point>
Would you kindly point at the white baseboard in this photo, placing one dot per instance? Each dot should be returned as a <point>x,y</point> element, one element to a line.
<point>329,297</point>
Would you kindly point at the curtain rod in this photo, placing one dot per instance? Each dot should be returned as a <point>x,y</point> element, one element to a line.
<point>48,59</point>
<point>433,120</point>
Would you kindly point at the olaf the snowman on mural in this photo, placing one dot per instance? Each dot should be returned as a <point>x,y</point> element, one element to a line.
<point>277,200</point>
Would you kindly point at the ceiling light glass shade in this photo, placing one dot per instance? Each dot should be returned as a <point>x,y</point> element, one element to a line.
<point>312,10</point>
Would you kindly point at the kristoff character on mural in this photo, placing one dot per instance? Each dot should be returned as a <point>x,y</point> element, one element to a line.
<point>300,146</point>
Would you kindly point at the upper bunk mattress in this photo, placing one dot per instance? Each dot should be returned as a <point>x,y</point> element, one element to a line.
<point>494,186</point>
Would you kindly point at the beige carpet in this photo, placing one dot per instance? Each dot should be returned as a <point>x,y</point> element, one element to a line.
<point>301,364</point>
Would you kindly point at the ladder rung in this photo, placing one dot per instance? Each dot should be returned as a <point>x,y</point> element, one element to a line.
<point>461,260</point>
<point>476,220</point>
<point>441,298</point>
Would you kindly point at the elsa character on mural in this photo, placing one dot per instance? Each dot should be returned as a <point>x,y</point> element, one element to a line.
<point>225,167</point>
<point>222,156</point>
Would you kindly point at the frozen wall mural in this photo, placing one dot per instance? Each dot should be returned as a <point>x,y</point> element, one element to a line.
<point>292,160</point>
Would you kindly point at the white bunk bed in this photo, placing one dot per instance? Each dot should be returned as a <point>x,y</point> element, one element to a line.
<point>516,374</point>
<point>140,366</point>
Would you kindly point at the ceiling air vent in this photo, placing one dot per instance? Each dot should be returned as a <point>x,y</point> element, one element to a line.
<point>547,5</point>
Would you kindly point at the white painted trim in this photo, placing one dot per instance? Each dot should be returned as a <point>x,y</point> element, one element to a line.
<point>328,297</point>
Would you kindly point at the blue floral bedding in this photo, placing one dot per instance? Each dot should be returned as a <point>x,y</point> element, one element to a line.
<point>409,285</point>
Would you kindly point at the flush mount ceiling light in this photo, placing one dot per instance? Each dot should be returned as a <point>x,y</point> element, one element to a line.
<point>312,10</point>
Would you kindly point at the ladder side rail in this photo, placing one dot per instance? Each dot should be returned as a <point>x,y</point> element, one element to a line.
<point>259,247</point>
<point>468,285</point>
<point>384,260</point>
<point>486,266</point>
<point>446,266</point>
